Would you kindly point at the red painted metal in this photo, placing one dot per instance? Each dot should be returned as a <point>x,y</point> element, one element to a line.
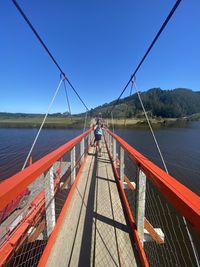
<point>30,161</point>
<point>142,255</point>
<point>183,199</point>
<point>13,186</point>
<point>35,211</point>
<point>20,234</point>
<point>12,205</point>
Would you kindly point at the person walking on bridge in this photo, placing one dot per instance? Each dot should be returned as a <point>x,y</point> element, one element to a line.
<point>98,134</point>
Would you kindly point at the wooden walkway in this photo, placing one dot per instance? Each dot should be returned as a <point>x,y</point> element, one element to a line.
<point>94,231</point>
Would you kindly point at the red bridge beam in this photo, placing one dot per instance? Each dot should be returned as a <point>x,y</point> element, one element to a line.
<point>13,186</point>
<point>181,198</point>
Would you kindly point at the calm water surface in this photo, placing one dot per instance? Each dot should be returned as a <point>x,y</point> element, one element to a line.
<point>16,143</point>
<point>180,148</point>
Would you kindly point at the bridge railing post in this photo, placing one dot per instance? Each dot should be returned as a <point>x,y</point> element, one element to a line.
<point>122,164</point>
<point>140,202</point>
<point>106,137</point>
<point>73,164</point>
<point>49,200</point>
<point>114,151</point>
<point>109,141</point>
<point>89,139</point>
<point>82,150</point>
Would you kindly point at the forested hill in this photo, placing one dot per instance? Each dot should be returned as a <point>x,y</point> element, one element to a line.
<point>160,103</point>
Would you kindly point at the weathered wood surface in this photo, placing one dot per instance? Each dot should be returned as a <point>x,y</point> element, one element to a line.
<point>94,231</point>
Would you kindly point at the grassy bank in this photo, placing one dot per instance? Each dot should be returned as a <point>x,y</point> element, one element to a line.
<point>136,123</point>
<point>51,122</point>
<point>78,122</point>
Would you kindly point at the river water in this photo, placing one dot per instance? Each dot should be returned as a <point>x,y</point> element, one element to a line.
<point>16,143</point>
<point>180,148</point>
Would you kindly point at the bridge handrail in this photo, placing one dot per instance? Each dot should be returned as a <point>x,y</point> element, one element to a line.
<point>186,202</point>
<point>13,186</point>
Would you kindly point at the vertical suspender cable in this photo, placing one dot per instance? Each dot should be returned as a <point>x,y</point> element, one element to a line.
<point>67,97</point>
<point>125,118</point>
<point>113,129</point>
<point>85,122</point>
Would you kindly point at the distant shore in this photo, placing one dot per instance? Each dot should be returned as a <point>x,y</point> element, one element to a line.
<point>156,123</point>
<point>78,122</point>
<point>35,122</point>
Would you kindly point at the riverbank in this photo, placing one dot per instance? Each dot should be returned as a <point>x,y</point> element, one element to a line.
<point>142,123</point>
<point>35,122</point>
<point>78,122</point>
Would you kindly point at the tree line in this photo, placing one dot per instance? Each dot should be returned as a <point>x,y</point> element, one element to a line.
<point>174,103</point>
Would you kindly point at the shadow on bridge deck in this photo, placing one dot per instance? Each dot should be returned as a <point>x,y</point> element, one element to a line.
<point>94,231</point>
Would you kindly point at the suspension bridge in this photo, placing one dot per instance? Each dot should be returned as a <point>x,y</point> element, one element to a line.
<point>87,212</point>
<point>76,207</point>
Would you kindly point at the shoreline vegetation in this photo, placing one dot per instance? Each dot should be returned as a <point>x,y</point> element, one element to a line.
<point>78,122</point>
<point>165,108</point>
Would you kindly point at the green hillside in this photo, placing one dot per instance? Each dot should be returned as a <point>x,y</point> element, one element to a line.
<point>175,103</point>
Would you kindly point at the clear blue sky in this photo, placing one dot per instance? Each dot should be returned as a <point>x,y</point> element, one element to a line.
<point>98,43</point>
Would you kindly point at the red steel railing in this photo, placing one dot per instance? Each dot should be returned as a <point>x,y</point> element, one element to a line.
<point>14,185</point>
<point>181,198</point>
<point>26,225</point>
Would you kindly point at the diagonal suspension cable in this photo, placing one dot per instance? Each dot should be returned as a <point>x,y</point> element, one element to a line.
<point>148,50</point>
<point>47,50</point>
<point>150,127</point>
<point>41,126</point>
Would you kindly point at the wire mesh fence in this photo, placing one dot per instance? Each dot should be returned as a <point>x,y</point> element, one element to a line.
<point>24,232</point>
<point>168,242</point>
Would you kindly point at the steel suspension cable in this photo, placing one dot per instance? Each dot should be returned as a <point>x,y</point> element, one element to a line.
<point>46,49</point>
<point>148,50</point>
<point>67,98</point>
<point>125,119</point>
<point>85,121</point>
<point>150,127</point>
<point>42,124</point>
<point>113,129</point>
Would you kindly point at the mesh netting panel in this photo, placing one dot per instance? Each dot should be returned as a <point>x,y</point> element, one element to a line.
<point>28,225</point>
<point>176,249</point>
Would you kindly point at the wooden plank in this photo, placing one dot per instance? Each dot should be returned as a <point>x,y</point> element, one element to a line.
<point>155,236</point>
<point>93,232</point>
<point>39,229</point>
<point>106,244</point>
<point>129,184</point>
<point>122,231</point>
<point>62,250</point>
<point>82,247</point>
